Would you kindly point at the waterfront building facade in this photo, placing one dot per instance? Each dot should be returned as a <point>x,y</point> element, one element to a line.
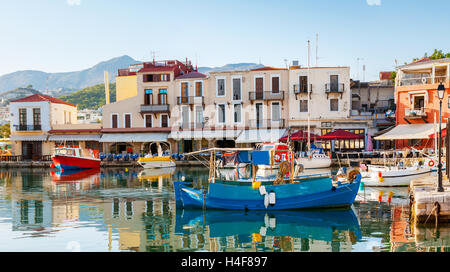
<point>131,124</point>
<point>324,94</point>
<point>32,118</point>
<point>373,104</point>
<point>418,103</point>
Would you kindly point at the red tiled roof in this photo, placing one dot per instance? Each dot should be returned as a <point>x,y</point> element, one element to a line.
<point>424,59</point>
<point>136,130</point>
<point>192,75</point>
<point>41,97</point>
<point>55,131</point>
<point>267,68</point>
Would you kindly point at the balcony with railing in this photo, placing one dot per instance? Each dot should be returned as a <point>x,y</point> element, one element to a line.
<point>266,123</point>
<point>28,127</point>
<point>190,100</point>
<point>266,95</point>
<point>155,108</point>
<point>192,125</point>
<point>416,113</point>
<point>299,89</point>
<point>422,80</point>
<point>334,88</point>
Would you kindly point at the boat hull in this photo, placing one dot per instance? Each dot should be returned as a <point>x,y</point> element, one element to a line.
<point>156,162</point>
<point>315,193</point>
<point>314,163</point>
<point>394,178</point>
<point>74,163</point>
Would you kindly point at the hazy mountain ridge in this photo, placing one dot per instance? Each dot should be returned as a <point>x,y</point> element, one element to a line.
<point>244,66</point>
<point>65,81</point>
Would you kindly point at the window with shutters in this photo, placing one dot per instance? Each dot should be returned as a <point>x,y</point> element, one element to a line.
<point>114,121</point>
<point>198,88</point>
<point>164,120</point>
<point>148,121</point>
<point>275,84</point>
<point>127,120</point>
<point>303,105</point>
<point>303,82</point>
<point>237,113</point>
<point>221,113</point>
<point>237,89</point>
<point>148,97</point>
<point>220,87</point>
<point>334,104</point>
<point>276,111</point>
<point>162,97</point>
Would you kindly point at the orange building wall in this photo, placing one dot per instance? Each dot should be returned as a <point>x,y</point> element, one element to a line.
<point>432,108</point>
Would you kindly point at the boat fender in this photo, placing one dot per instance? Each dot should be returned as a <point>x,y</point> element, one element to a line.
<point>272,198</point>
<point>262,190</point>
<point>266,200</point>
<point>272,222</point>
<point>263,231</point>
<point>333,189</point>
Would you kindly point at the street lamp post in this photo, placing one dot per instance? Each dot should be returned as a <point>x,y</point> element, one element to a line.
<point>441,92</point>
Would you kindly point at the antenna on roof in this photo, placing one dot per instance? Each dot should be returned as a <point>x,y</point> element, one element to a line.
<point>317,49</point>
<point>153,56</point>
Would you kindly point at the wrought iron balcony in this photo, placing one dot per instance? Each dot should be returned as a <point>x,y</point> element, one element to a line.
<point>415,113</point>
<point>299,89</point>
<point>28,127</point>
<point>335,88</point>
<point>157,108</point>
<point>266,95</point>
<point>190,100</point>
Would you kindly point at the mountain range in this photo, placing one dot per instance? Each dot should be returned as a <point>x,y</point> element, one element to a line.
<point>58,84</point>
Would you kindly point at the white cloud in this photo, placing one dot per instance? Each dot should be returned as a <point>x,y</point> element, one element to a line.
<point>373,2</point>
<point>78,2</point>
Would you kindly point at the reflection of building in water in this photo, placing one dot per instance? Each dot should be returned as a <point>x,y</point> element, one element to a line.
<point>143,225</point>
<point>431,239</point>
<point>401,237</point>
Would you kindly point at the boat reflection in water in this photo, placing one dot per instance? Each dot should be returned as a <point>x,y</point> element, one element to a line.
<point>78,175</point>
<point>337,229</point>
<point>156,174</point>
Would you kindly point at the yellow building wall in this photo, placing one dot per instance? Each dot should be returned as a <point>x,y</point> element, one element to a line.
<point>126,87</point>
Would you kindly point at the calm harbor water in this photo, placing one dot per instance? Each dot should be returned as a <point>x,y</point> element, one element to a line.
<point>134,210</point>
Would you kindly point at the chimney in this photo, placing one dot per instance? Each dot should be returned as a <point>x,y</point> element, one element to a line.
<point>107,88</point>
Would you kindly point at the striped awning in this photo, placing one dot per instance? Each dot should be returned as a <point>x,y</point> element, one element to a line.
<point>134,137</point>
<point>260,136</point>
<point>229,134</point>
<point>31,138</point>
<point>74,137</point>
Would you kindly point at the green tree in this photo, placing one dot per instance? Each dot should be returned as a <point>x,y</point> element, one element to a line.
<point>91,97</point>
<point>5,131</point>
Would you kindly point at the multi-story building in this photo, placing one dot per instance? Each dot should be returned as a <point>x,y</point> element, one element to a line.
<point>323,95</point>
<point>31,120</point>
<point>418,103</point>
<point>134,121</point>
<point>237,108</point>
<point>373,104</point>
<point>88,116</point>
<point>4,115</point>
<point>41,123</point>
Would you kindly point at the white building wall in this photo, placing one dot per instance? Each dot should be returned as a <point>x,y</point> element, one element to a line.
<point>45,114</point>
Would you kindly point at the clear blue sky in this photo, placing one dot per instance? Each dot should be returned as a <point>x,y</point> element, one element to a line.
<point>68,35</point>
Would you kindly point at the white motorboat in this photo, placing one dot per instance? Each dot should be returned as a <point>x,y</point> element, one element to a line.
<point>314,160</point>
<point>391,176</point>
<point>162,159</point>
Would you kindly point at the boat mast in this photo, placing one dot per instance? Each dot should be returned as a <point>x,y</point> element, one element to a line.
<point>308,89</point>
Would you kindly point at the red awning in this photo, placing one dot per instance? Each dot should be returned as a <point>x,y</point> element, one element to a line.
<point>341,135</point>
<point>300,136</point>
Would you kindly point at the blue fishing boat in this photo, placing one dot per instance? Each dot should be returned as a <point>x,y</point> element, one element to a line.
<point>316,225</point>
<point>282,193</point>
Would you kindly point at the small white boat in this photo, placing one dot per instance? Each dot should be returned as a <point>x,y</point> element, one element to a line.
<point>162,159</point>
<point>315,160</point>
<point>392,176</point>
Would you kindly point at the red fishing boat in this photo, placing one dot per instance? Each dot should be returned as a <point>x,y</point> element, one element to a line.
<point>73,157</point>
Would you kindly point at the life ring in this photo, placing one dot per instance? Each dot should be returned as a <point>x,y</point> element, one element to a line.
<point>277,158</point>
<point>424,80</point>
<point>431,163</point>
